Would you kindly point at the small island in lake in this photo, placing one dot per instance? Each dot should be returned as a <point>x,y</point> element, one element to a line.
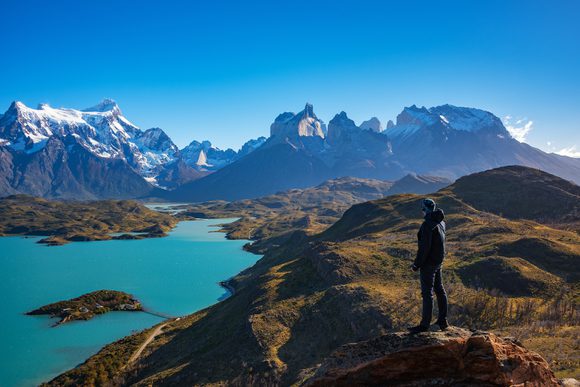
<point>89,305</point>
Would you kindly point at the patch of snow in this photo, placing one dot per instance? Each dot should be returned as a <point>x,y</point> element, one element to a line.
<point>571,151</point>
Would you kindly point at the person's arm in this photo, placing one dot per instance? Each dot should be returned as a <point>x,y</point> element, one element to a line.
<point>424,246</point>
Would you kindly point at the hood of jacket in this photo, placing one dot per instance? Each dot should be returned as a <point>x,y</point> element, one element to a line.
<point>435,217</point>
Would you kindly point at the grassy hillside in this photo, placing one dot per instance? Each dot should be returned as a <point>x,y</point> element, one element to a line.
<point>352,282</point>
<point>63,222</point>
<point>272,220</point>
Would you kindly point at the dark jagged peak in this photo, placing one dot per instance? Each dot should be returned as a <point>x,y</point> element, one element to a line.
<point>339,127</point>
<point>105,105</point>
<point>308,111</point>
<point>284,117</point>
<point>342,119</point>
<point>390,124</point>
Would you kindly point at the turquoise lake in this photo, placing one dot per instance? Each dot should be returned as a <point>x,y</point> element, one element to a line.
<point>175,275</point>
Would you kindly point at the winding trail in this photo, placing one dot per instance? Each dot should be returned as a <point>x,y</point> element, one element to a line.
<point>152,336</point>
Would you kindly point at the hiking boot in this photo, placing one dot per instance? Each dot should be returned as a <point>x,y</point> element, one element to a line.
<point>418,329</point>
<point>443,325</point>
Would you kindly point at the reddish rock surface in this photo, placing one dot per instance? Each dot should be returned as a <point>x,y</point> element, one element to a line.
<point>456,357</point>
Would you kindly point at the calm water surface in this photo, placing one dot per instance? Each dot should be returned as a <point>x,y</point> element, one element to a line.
<point>175,275</point>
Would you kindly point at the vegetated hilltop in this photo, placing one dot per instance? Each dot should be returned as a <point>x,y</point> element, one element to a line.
<point>64,222</point>
<point>352,282</point>
<point>271,220</point>
<point>88,306</point>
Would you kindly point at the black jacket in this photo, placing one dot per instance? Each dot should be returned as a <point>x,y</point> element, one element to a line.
<point>431,240</point>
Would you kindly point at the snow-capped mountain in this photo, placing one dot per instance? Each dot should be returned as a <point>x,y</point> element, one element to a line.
<point>446,117</point>
<point>101,129</point>
<point>98,153</point>
<point>100,137</point>
<point>203,156</point>
<point>446,141</point>
<point>452,141</point>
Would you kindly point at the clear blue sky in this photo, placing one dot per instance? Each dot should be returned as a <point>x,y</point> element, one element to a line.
<point>223,70</point>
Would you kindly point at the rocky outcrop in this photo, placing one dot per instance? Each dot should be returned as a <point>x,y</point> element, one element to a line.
<point>456,357</point>
<point>373,124</point>
<point>303,124</point>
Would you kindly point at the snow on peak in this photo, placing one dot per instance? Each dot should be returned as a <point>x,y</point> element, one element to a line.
<point>447,116</point>
<point>204,156</point>
<point>105,105</point>
<point>466,119</point>
<point>251,145</point>
<point>102,130</point>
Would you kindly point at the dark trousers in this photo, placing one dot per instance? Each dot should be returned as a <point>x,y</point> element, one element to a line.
<point>431,280</point>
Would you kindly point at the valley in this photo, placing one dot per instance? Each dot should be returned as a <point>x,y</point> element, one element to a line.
<point>320,288</point>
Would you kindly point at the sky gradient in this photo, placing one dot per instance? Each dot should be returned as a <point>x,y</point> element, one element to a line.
<point>223,70</point>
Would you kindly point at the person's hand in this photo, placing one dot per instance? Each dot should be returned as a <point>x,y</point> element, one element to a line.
<point>414,268</point>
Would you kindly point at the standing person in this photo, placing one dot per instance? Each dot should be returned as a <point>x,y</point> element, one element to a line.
<point>430,254</point>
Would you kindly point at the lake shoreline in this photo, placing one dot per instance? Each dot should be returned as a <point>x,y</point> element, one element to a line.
<point>175,286</point>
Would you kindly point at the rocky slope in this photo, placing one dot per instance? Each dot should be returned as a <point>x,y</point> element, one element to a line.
<point>456,357</point>
<point>350,283</point>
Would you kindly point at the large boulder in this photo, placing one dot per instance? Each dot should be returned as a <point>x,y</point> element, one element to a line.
<point>456,357</point>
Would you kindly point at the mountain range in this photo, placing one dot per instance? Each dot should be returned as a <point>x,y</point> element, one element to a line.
<point>98,153</point>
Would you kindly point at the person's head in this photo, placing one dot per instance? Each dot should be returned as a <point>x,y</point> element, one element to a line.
<point>428,206</point>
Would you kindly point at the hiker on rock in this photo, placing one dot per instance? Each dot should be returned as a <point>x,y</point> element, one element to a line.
<point>431,239</point>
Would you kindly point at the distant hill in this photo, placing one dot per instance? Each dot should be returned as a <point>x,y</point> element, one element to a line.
<point>277,217</point>
<point>517,192</point>
<point>352,282</point>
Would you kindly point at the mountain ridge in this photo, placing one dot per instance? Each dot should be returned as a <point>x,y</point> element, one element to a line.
<point>446,141</point>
